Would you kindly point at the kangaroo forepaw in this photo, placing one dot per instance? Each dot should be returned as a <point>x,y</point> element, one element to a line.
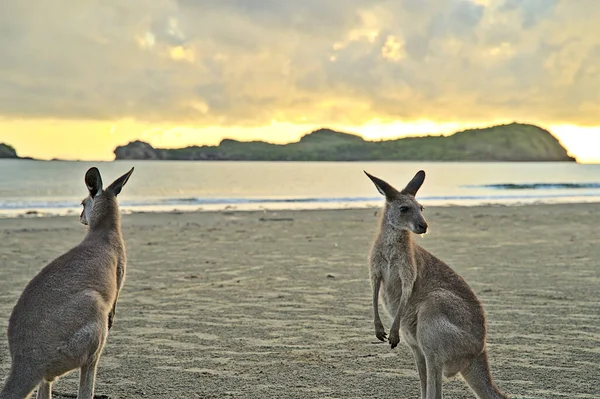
<point>380,334</point>
<point>394,339</point>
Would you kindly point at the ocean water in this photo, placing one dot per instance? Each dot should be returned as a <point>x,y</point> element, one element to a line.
<point>50,188</point>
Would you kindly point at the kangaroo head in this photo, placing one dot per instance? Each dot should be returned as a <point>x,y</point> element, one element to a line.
<point>100,201</point>
<point>402,211</point>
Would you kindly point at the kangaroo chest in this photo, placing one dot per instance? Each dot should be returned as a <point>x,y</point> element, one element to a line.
<point>397,271</point>
<point>392,272</point>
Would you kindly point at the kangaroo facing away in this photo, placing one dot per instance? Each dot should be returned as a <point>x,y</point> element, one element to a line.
<point>434,309</point>
<point>61,321</point>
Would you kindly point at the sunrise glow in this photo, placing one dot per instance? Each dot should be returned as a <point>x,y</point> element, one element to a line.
<point>193,73</point>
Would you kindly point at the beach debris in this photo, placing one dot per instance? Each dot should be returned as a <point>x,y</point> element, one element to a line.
<point>275,219</point>
<point>72,395</point>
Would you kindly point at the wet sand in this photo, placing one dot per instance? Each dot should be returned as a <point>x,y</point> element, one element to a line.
<point>278,305</point>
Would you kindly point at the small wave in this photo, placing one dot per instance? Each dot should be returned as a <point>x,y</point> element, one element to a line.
<point>351,200</point>
<point>38,204</point>
<point>67,206</point>
<point>241,201</point>
<point>537,186</point>
<point>164,203</point>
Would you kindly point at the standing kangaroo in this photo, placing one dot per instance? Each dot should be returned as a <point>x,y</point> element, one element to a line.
<point>436,311</point>
<point>61,321</point>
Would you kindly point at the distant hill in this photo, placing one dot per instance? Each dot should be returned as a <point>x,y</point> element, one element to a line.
<point>7,151</point>
<point>512,142</point>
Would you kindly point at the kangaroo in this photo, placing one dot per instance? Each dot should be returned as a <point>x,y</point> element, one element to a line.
<point>436,311</point>
<point>61,321</point>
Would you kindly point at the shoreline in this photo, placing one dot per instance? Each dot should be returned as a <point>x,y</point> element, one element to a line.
<point>38,214</point>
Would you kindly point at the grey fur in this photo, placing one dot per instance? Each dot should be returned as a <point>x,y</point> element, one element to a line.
<point>61,321</point>
<point>434,309</point>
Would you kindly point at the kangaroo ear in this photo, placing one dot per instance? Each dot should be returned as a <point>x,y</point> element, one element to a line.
<point>117,185</point>
<point>93,181</point>
<point>415,184</point>
<point>383,187</point>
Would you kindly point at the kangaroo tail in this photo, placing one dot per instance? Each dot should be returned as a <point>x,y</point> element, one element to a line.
<point>18,385</point>
<point>478,377</point>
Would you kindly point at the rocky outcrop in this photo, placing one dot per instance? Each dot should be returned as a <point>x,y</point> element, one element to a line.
<point>7,151</point>
<point>137,150</point>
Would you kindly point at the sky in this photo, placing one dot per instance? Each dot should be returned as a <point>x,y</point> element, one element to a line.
<point>79,78</point>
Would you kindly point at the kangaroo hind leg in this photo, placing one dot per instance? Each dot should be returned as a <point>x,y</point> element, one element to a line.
<point>422,368</point>
<point>44,390</point>
<point>87,379</point>
<point>434,380</point>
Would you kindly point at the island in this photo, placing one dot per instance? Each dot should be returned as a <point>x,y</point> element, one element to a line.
<point>514,142</point>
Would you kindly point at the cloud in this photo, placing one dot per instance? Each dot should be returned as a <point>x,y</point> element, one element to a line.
<point>236,62</point>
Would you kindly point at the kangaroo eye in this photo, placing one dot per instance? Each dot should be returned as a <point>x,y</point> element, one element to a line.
<point>403,209</point>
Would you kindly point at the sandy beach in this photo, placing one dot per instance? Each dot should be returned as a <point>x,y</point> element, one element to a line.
<point>278,304</point>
